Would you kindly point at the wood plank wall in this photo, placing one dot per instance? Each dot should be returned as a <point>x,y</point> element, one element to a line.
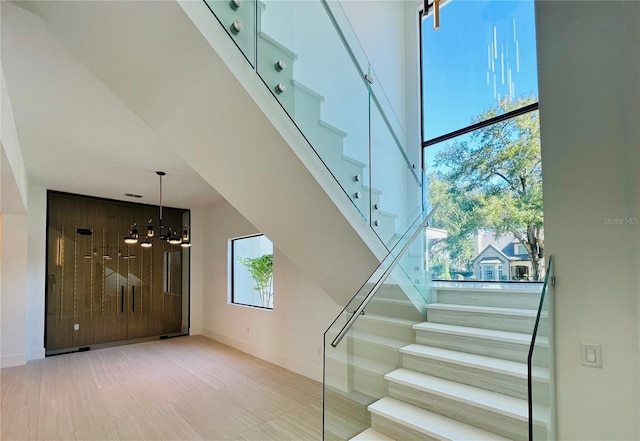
<point>112,291</point>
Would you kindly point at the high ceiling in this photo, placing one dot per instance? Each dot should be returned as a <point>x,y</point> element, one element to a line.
<point>75,134</point>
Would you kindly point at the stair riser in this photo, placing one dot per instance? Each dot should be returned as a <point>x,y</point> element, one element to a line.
<point>397,431</point>
<point>500,322</point>
<point>373,351</point>
<point>345,417</point>
<point>354,379</point>
<point>343,377</point>
<point>475,345</point>
<point>337,381</point>
<point>385,329</point>
<point>386,228</point>
<point>405,311</point>
<point>335,366</point>
<point>391,292</point>
<point>478,377</point>
<point>482,378</point>
<point>523,300</point>
<point>369,383</point>
<point>502,425</point>
<point>394,292</point>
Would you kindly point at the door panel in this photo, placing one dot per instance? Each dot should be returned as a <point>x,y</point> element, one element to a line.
<point>108,290</point>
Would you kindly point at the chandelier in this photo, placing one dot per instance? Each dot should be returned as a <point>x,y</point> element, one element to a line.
<point>175,235</point>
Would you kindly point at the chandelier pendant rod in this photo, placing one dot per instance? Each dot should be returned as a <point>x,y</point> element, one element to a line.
<point>161,174</point>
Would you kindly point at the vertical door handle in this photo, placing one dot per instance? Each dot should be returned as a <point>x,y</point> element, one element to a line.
<point>133,298</point>
<point>122,299</point>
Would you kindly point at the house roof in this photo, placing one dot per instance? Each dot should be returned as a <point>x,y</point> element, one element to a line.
<point>490,261</point>
<point>481,258</point>
<point>509,250</point>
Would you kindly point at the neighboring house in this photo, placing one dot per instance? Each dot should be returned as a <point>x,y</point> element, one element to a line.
<point>491,264</point>
<point>520,267</point>
<point>510,263</point>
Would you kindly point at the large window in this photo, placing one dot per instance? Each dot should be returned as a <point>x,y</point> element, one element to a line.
<point>483,54</point>
<point>251,271</point>
<point>481,136</point>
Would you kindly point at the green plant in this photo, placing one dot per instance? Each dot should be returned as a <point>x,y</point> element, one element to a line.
<point>261,271</point>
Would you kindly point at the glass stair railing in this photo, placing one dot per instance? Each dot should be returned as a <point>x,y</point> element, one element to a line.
<point>362,344</point>
<point>541,360</point>
<point>413,359</point>
<point>308,56</point>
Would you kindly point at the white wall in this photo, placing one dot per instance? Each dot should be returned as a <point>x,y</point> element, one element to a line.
<point>13,174</point>
<point>36,272</point>
<point>291,334</point>
<point>379,26</point>
<point>13,239</point>
<point>589,76</point>
<point>413,100</point>
<point>13,286</point>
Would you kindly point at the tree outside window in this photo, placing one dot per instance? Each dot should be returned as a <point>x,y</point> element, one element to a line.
<point>252,271</point>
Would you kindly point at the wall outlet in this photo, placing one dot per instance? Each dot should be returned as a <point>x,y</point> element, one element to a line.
<point>247,329</point>
<point>76,327</point>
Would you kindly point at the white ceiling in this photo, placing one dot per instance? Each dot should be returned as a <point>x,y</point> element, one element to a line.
<point>75,135</point>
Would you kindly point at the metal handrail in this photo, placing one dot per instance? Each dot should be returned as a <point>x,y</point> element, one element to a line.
<point>336,341</point>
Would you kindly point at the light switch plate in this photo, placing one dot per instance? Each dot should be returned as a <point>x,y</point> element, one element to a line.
<point>590,355</point>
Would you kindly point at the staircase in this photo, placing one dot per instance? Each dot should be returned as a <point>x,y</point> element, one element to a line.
<point>464,374</point>
<point>277,64</point>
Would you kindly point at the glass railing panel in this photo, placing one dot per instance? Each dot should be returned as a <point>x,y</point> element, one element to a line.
<point>302,60</point>
<point>345,409</point>
<point>541,366</point>
<point>238,17</point>
<point>392,121</point>
<point>337,14</point>
<point>396,191</point>
<point>354,366</point>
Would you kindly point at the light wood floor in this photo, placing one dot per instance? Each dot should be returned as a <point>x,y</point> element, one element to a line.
<point>188,388</point>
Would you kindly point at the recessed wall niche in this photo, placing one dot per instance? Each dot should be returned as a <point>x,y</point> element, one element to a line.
<point>102,291</point>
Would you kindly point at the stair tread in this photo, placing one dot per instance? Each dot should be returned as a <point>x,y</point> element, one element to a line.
<point>481,398</point>
<point>388,319</point>
<point>480,287</point>
<point>279,45</point>
<point>376,339</point>
<point>372,190</point>
<point>480,361</point>
<point>370,338</point>
<point>349,158</point>
<point>340,133</point>
<point>505,336</point>
<point>387,214</point>
<point>371,435</point>
<point>392,301</point>
<point>428,423</point>
<point>306,89</point>
<point>484,309</point>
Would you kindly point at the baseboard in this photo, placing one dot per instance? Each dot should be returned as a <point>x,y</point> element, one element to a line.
<point>35,354</point>
<point>195,331</point>
<point>306,369</point>
<point>13,360</point>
